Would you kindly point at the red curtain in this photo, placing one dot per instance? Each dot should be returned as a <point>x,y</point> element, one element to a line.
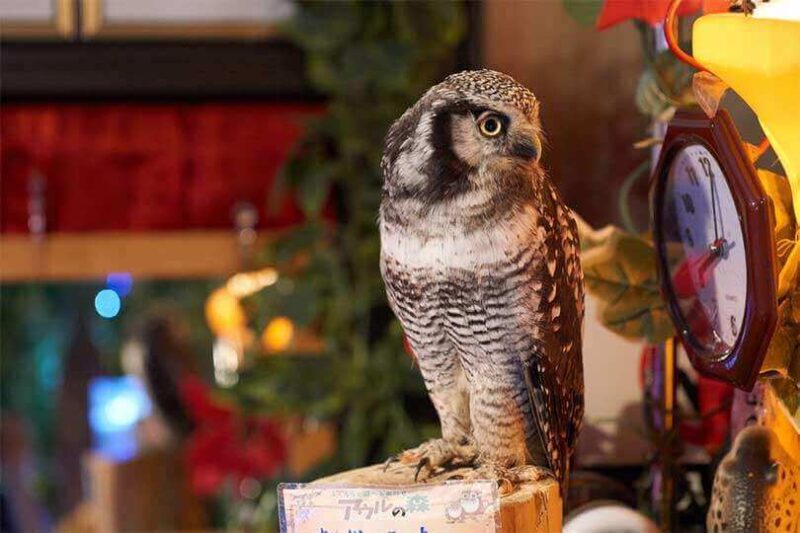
<point>147,167</point>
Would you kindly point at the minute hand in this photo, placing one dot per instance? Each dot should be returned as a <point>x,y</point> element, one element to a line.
<point>714,205</point>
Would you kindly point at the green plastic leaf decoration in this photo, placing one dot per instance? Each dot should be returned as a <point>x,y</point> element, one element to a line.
<point>665,83</point>
<point>584,12</point>
<point>619,270</point>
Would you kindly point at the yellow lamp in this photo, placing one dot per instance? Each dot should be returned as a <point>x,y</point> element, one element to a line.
<point>760,60</point>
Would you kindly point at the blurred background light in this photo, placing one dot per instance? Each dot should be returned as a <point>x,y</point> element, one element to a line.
<point>116,406</point>
<point>226,356</point>
<point>224,313</point>
<point>120,282</point>
<point>107,303</point>
<point>278,334</point>
<point>247,283</point>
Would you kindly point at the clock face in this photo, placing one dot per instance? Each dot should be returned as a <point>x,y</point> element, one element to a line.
<point>705,248</point>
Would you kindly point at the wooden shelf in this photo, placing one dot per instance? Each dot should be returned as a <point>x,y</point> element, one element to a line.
<point>156,255</point>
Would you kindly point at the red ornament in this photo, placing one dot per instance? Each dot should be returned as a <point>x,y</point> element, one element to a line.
<point>650,11</point>
<point>716,6</point>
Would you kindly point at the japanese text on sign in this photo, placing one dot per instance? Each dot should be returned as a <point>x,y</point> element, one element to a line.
<point>457,507</point>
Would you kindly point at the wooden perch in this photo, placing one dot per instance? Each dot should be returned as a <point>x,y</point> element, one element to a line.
<point>531,508</point>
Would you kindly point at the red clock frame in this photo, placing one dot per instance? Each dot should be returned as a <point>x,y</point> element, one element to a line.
<point>741,364</point>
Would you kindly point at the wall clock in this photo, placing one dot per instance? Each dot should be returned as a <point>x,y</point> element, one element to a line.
<point>713,229</point>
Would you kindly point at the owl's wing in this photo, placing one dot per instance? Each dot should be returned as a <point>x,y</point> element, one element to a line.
<point>554,371</point>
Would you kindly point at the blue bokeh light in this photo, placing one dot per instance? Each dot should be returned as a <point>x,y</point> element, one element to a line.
<point>120,282</point>
<point>107,303</point>
<point>116,406</point>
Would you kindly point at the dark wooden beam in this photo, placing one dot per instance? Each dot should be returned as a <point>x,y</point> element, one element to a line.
<point>169,70</point>
<point>153,70</point>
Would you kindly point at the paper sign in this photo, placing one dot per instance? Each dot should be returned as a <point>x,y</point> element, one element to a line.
<point>453,507</point>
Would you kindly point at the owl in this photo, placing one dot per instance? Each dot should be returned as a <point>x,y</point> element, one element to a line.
<point>480,259</point>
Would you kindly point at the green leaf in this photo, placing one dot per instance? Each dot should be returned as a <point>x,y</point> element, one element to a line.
<point>665,83</point>
<point>619,270</point>
<point>584,12</point>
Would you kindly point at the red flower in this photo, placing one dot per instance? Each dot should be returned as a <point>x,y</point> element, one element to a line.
<point>226,444</point>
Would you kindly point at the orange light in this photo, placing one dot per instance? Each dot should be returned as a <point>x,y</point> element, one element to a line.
<point>224,314</point>
<point>278,334</point>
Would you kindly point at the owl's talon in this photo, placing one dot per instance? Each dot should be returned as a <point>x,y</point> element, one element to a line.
<point>423,463</point>
<point>390,461</point>
<point>507,478</point>
<point>436,454</point>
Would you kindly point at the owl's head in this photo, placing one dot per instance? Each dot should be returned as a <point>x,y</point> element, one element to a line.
<point>462,134</point>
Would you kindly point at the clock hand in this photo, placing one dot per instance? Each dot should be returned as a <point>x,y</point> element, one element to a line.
<point>714,207</point>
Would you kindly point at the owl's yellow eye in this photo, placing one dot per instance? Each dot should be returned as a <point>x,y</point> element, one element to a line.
<point>490,126</point>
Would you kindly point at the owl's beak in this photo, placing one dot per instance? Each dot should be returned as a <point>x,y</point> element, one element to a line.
<point>527,148</point>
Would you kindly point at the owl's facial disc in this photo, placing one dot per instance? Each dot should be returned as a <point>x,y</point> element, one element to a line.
<point>491,137</point>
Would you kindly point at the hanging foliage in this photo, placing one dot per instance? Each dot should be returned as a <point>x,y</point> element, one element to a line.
<point>372,60</point>
<point>619,271</point>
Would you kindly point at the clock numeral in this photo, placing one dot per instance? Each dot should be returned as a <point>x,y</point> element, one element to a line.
<point>688,234</point>
<point>734,327</point>
<point>693,176</point>
<point>706,164</point>
<point>688,204</point>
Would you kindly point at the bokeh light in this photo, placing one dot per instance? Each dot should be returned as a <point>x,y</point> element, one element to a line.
<point>117,403</point>
<point>116,406</point>
<point>107,303</point>
<point>278,334</point>
<point>120,282</point>
<point>224,314</point>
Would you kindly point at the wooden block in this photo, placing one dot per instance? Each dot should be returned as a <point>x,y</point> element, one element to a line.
<point>531,508</point>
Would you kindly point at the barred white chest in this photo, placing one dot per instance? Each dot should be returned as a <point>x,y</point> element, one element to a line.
<point>456,248</point>
<point>474,287</point>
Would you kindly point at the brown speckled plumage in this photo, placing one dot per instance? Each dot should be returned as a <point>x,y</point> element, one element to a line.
<point>495,86</point>
<point>480,260</point>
